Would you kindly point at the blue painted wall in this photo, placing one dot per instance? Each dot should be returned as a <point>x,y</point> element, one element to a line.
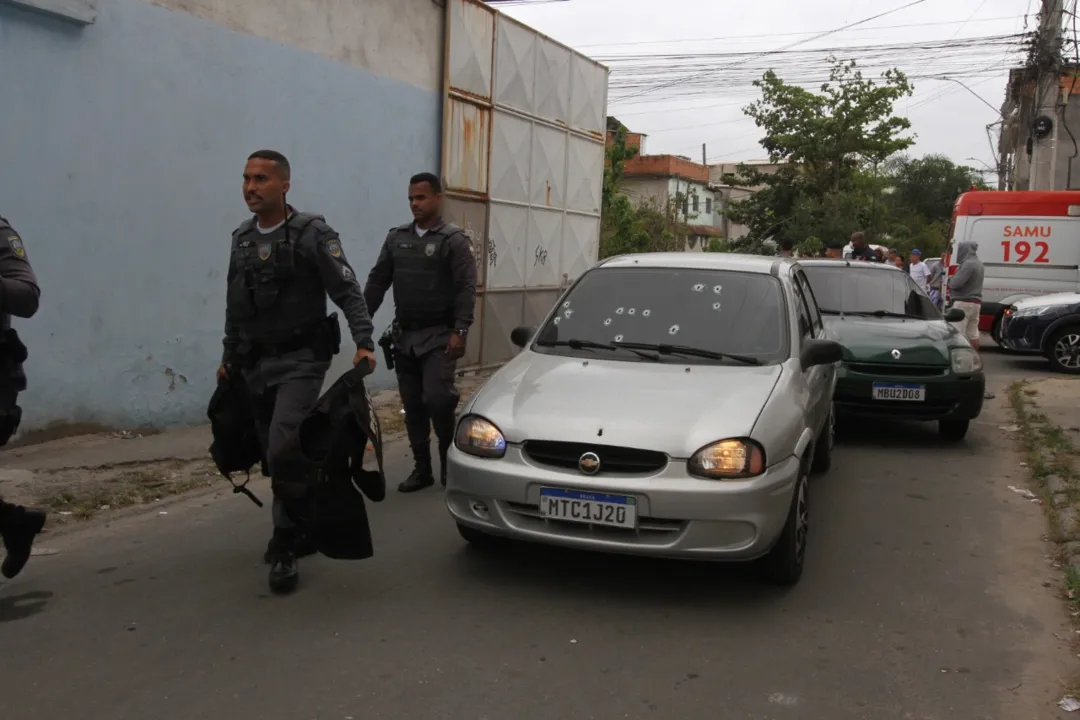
<point>121,151</point>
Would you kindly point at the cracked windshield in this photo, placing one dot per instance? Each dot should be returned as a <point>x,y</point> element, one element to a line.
<point>540,359</point>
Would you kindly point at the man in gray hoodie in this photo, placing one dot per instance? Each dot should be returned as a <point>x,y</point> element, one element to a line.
<point>966,290</point>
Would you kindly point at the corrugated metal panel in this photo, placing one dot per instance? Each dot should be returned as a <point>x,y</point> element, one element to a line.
<point>523,152</point>
<point>468,143</point>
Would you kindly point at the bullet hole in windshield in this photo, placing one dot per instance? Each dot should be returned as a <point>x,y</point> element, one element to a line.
<point>717,288</point>
<point>646,313</point>
<point>566,304</point>
<point>618,338</point>
<point>620,311</point>
<point>568,313</point>
<point>673,330</point>
<point>716,306</point>
<point>607,322</point>
<point>557,320</point>
<point>699,287</point>
<point>631,311</point>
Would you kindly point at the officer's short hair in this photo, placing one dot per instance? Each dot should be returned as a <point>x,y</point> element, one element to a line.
<point>430,178</point>
<point>275,157</point>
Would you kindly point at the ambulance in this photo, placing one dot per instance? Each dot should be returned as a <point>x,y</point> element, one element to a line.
<point>1029,244</point>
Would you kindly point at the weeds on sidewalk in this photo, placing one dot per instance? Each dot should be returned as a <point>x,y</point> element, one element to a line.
<point>1051,459</point>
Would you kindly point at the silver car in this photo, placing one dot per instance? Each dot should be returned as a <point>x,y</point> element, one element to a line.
<point>671,404</point>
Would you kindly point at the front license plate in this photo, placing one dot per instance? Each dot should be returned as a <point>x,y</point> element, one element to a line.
<point>589,507</point>
<point>893,391</point>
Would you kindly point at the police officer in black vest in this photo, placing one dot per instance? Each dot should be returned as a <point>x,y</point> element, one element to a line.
<point>19,295</point>
<point>431,265</point>
<point>282,266</point>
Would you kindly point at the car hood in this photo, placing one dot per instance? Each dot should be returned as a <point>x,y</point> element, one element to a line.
<point>873,340</point>
<point>669,407</point>
<point>1060,298</point>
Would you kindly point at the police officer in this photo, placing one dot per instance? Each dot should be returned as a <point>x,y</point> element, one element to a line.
<point>19,295</point>
<point>431,265</point>
<point>282,266</point>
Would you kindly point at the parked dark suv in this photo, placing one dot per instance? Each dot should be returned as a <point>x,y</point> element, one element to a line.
<point>1046,325</point>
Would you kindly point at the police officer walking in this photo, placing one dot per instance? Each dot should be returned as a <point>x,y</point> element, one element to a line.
<point>19,295</point>
<point>431,265</point>
<point>282,266</point>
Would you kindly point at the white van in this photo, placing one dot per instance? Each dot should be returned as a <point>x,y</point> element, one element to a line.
<point>1029,244</point>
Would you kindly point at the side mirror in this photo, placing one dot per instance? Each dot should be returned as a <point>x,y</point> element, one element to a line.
<point>820,352</point>
<point>954,315</point>
<point>521,334</point>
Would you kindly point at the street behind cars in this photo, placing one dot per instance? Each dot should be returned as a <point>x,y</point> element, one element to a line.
<point>902,358</point>
<point>670,405</point>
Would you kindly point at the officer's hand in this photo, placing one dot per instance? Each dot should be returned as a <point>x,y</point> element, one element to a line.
<point>364,354</point>
<point>222,373</point>
<point>455,347</point>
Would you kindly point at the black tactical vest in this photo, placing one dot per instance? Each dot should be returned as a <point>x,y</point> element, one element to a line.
<point>277,293</point>
<point>423,285</point>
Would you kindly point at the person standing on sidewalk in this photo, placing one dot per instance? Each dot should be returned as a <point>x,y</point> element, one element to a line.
<point>282,266</point>
<point>19,296</point>
<point>918,271</point>
<point>966,290</point>
<point>431,265</point>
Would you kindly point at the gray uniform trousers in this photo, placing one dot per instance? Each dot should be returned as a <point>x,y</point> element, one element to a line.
<point>284,388</point>
<point>425,375</point>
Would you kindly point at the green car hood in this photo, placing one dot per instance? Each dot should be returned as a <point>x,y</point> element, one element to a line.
<point>873,340</point>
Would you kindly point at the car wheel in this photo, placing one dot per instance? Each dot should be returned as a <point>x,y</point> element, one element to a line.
<point>1063,350</point>
<point>953,430</point>
<point>477,538</point>
<point>824,444</point>
<point>784,563</point>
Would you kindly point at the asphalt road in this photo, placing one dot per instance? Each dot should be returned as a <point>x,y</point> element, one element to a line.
<point>924,598</point>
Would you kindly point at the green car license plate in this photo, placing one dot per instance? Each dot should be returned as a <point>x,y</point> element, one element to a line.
<point>899,391</point>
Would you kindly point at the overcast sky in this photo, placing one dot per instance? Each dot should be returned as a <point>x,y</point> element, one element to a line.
<point>946,117</point>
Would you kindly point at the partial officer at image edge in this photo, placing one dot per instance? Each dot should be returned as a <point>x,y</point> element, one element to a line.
<point>19,296</point>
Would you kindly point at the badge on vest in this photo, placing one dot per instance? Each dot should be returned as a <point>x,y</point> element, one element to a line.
<point>429,249</point>
<point>16,246</point>
<point>264,251</point>
<point>347,273</point>
<point>334,248</point>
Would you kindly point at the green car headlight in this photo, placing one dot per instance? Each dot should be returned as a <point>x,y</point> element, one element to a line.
<point>965,361</point>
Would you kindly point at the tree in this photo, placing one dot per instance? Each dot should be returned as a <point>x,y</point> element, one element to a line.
<point>827,142</point>
<point>930,185</point>
<point>650,226</point>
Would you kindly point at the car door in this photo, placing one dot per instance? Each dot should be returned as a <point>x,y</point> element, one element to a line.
<point>821,379</point>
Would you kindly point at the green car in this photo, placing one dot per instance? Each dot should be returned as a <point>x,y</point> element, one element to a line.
<point>902,358</point>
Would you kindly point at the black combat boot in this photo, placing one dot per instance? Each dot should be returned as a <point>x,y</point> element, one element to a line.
<point>421,477</point>
<point>284,572</point>
<point>443,450</point>
<point>18,528</point>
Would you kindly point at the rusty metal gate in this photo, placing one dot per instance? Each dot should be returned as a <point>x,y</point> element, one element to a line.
<point>522,165</point>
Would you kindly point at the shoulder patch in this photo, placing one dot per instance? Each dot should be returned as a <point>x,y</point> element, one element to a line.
<point>16,244</point>
<point>333,246</point>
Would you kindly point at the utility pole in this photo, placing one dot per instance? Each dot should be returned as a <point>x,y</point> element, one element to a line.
<point>1047,65</point>
<point>704,159</point>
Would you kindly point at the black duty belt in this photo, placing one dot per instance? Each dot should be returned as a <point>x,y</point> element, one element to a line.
<point>282,348</point>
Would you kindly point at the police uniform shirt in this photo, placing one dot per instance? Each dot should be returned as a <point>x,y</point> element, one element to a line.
<point>21,292</point>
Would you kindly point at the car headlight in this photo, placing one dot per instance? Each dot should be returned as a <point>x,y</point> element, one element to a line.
<point>477,436</point>
<point>728,459</point>
<point>965,361</point>
<point>1036,311</point>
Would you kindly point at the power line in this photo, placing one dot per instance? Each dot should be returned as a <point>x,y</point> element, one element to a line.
<point>795,44</point>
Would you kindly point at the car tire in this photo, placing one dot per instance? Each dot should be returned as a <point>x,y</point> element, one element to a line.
<point>1066,336</point>
<point>784,563</point>
<point>476,538</point>
<point>953,430</point>
<point>824,444</point>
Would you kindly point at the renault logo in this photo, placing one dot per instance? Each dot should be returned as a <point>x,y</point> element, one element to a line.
<point>589,463</point>
<point>895,354</point>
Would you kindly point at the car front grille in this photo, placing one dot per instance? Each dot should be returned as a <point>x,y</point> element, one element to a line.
<point>613,459</point>
<point>898,370</point>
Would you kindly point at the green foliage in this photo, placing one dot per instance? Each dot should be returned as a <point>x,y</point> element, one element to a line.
<point>649,226</point>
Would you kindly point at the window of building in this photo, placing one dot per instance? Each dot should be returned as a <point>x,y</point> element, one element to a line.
<point>708,205</point>
<point>695,202</point>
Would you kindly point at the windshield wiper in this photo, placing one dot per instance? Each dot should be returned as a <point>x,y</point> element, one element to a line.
<point>576,344</point>
<point>665,349</point>
<point>870,313</point>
